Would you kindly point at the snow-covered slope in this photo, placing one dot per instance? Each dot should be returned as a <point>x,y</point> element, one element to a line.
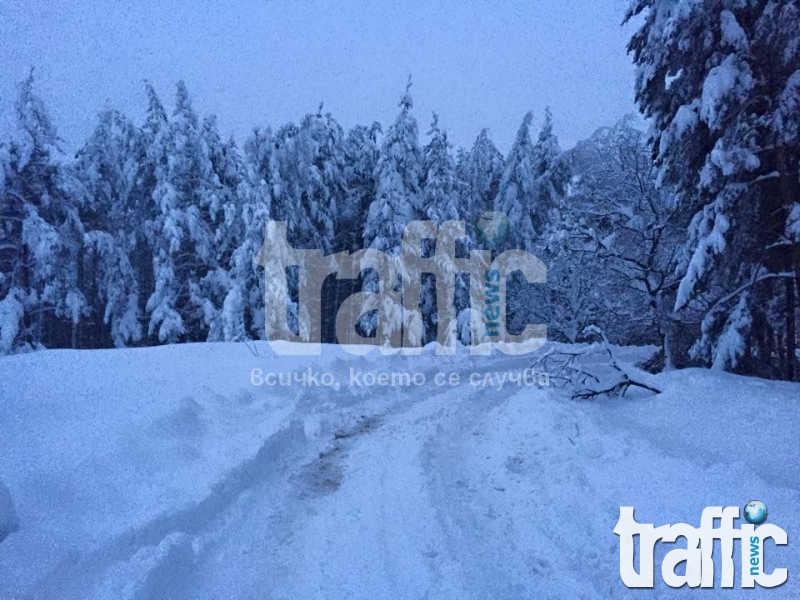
<point>9,522</point>
<point>165,473</point>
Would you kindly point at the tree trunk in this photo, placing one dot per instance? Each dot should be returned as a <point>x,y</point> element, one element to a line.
<point>669,365</point>
<point>790,194</point>
<point>665,330</point>
<point>790,329</point>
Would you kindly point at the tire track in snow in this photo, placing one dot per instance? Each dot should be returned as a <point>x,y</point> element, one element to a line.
<point>293,541</point>
<point>493,508</point>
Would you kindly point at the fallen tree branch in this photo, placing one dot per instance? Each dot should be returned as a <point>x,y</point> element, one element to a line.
<point>569,368</point>
<point>618,389</point>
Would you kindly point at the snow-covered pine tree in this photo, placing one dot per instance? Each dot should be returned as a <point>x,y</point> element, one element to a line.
<point>398,174</point>
<point>720,82</point>
<point>397,202</point>
<point>533,184</point>
<point>439,196</point>
<point>109,169</point>
<point>517,192</point>
<point>227,166</point>
<point>165,231</point>
<point>551,171</point>
<point>440,203</point>
<point>308,180</point>
<point>40,235</point>
<point>284,180</point>
<point>243,308</point>
<point>187,199</point>
<point>224,310</point>
<point>479,174</point>
<point>308,183</point>
<point>323,181</point>
<point>323,193</point>
<point>152,158</point>
<point>361,154</point>
<point>287,178</point>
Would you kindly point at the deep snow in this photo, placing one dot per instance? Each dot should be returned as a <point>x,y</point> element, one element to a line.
<point>164,473</point>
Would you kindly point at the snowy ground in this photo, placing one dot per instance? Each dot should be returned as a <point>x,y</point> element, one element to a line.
<point>164,473</point>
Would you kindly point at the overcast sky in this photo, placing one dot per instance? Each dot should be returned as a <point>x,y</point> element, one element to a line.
<point>258,62</point>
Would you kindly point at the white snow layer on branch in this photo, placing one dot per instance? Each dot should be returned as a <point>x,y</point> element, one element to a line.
<point>731,79</point>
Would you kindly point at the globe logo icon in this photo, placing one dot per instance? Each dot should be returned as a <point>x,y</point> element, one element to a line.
<point>755,512</point>
<point>493,228</point>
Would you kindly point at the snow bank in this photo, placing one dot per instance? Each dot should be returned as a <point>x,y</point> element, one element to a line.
<point>539,481</point>
<point>9,522</point>
<point>100,445</point>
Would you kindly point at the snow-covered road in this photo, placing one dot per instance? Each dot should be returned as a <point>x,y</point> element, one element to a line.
<point>193,484</point>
